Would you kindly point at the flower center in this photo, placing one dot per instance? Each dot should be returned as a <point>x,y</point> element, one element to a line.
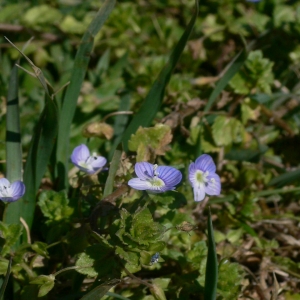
<point>201,177</point>
<point>156,182</point>
<point>87,164</point>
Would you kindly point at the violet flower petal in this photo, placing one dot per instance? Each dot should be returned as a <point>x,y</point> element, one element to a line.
<point>144,170</point>
<point>199,192</point>
<point>17,189</point>
<point>169,175</point>
<point>138,184</point>
<point>205,163</point>
<point>213,185</point>
<point>80,153</point>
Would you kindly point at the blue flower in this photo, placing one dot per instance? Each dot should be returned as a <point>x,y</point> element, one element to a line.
<point>154,178</point>
<point>203,177</point>
<point>154,258</point>
<point>11,192</point>
<point>86,162</point>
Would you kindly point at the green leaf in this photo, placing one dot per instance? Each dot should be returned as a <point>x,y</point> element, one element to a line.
<point>4,284</point>
<point>11,234</point>
<point>230,279</point>
<point>70,100</point>
<point>40,248</point>
<point>153,100</point>
<point>227,131</point>
<point>144,229</point>
<point>256,74</point>
<point>157,292</point>
<point>3,266</point>
<point>98,260</point>
<point>100,291</point>
<point>211,274</point>
<point>150,141</point>
<point>41,15</point>
<point>46,284</point>
<point>55,205</point>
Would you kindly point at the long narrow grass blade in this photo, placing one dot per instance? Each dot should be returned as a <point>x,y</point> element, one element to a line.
<point>42,144</point>
<point>286,178</point>
<point>70,100</point>
<point>13,146</point>
<point>3,287</point>
<point>211,274</point>
<point>98,292</point>
<point>114,165</point>
<point>232,69</point>
<point>153,100</point>
<point>120,122</point>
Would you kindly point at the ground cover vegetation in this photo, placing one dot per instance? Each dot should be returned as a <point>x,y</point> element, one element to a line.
<point>149,149</point>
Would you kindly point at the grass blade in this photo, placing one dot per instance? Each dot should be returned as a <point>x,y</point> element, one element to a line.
<point>13,146</point>
<point>70,100</point>
<point>114,165</point>
<point>42,144</point>
<point>3,287</point>
<point>285,179</point>
<point>211,274</point>
<point>40,149</point>
<point>232,69</point>
<point>153,100</point>
<point>120,121</point>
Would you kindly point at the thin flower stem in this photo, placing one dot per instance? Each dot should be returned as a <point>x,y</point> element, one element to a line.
<point>54,244</point>
<point>68,269</point>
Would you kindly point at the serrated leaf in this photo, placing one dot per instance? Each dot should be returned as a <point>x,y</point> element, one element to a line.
<point>230,279</point>
<point>11,234</point>
<point>98,260</point>
<point>55,205</point>
<point>3,266</point>
<point>46,284</point>
<point>40,248</point>
<point>144,229</point>
<point>256,74</point>
<point>150,141</point>
<point>227,130</point>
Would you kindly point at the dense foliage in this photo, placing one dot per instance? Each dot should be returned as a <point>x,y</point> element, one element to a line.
<point>233,94</point>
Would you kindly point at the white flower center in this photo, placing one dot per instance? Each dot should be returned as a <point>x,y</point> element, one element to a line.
<point>155,181</point>
<point>87,164</point>
<point>5,191</point>
<point>201,177</point>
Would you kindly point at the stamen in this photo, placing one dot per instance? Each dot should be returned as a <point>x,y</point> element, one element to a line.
<point>154,170</point>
